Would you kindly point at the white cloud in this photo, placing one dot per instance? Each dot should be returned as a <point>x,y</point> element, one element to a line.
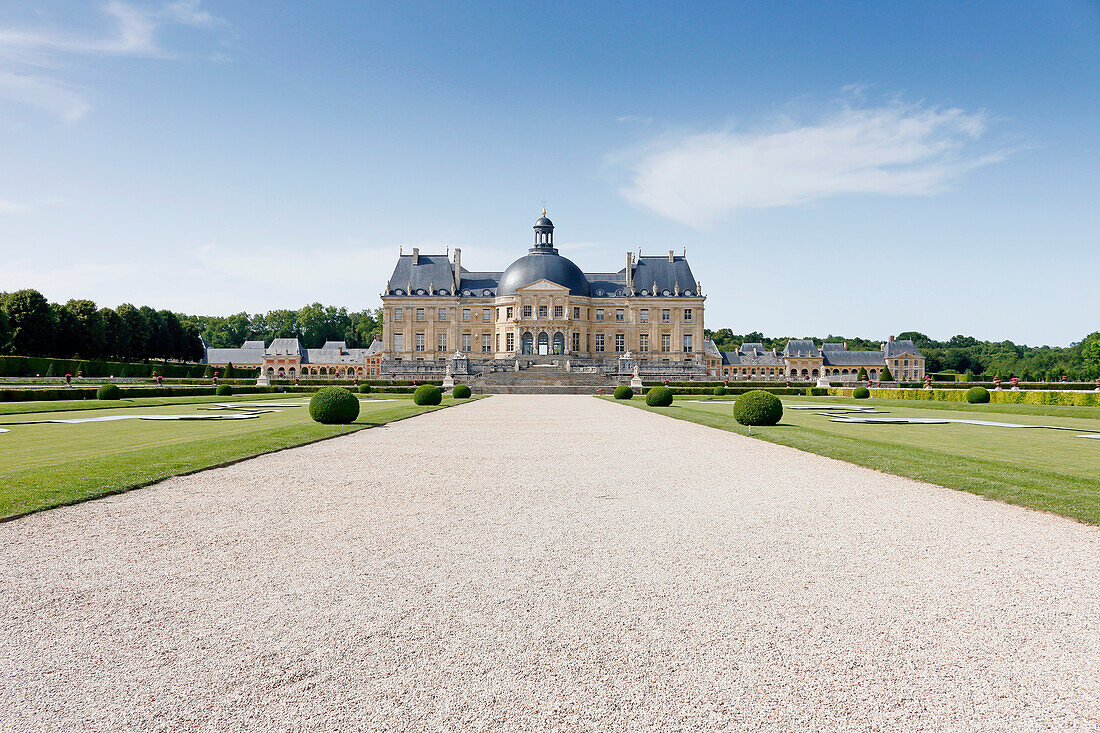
<point>12,207</point>
<point>896,149</point>
<point>45,94</point>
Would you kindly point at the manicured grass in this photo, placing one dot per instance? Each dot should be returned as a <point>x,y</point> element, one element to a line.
<point>48,465</point>
<point>1051,470</point>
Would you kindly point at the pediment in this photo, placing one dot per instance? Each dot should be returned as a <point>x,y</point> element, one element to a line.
<point>543,285</point>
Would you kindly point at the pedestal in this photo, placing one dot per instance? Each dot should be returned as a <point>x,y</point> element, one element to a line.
<point>262,380</point>
<point>448,382</point>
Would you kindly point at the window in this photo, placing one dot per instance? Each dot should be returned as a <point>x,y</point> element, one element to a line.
<point>619,314</point>
<point>542,311</point>
<point>643,315</point>
<point>643,343</point>
<point>420,314</point>
<point>399,342</point>
<point>620,343</point>
<point>576,341</point>
<point>466,342</point>
<point>526,311</point>
<point>466,314</point>
<point>559,311</point>
<point>510,342</point>
<point>599,314</point>
<point>599,341</point>
<point>508,312</point>
<point>577,313</point>
<point>486,343</point>
<point>442,343</point>
<point>398,314</point>
<point>486,314</point>
<point>666,315</point>
<point>687,343</point>
<point>442,315</point>
<point>666,342</point>
<point>420,342</point>
<point>687,314</point>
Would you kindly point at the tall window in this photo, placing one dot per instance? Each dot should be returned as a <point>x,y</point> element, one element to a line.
<point>577,314</point>
<point>486,343</point>
<point>687,314</point>
<point>398,314</point>
<point>442,343</point>
<point>619,315</point>
<point>599,314</point>
<point>510,342</point>
<point>558,311</point>
<point>508,312</point>
<point>420,314</point>
<point>666,342</point>
<point>466,314</point>
<point>542,311</point>
<point>486,314</point>
<point>467,343</point>
<point>420,342</point>
<point>620,343</point>
<point>576,341</point>
<point>643,315</point>
<point>643,343</point>
<point>687,343</point>
<point>399,342</point>
<point>526,311</point>
<point>442,315</point>
<point>599,342</point>
<point>666,315</point>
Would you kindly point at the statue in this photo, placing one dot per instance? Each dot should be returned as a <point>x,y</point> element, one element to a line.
<point>636,381</point>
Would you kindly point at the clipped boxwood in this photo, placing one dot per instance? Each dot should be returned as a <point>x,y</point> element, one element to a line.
<point>460,392</point>
<point>108,392</point>
<point>427,394</point>
<point>334,406</point>
<point>861,393</point>
<point>658,397</point>
<point>758,408</point>
<point>719,391</point>
<point>364,389</point>
<point>622,392</point>
<point>977,395</point>
<point>223,390</point>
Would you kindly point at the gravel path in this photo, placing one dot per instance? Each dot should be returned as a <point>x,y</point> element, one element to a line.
<point>548,563</point>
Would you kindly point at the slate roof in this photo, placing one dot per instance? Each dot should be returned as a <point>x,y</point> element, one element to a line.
<point>843,357</point>
<point>834,346</point>
<point>479,284</point>
<point>284,347</point>
<point>904,346</point>
<point>430,271</point>
<point>752,355</point>
<point>801,348</point>
<point>335,345</point>
<point>666,274</point>
<point>253,345</point>
<point>238,357</point>
<point>711,349</point>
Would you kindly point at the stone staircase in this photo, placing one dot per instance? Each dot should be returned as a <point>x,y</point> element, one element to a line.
<point>543,379</point>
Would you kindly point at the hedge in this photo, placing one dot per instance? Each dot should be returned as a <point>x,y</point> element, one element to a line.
<point>1020,397</point>
<point>28,366</point>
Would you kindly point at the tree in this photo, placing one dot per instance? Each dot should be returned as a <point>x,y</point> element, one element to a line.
<point>31,323</point>
<point>5,332</point>
<point>862,376</point>
<point>114,334</point>
<point>136,332</point>
<point>1088,354</point>
<point>886,376</point>
<point>88,335</point>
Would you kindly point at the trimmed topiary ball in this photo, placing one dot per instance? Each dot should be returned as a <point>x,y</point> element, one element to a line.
<point>977,395</point>
<point>334,406</point>
<point>223,390</point>
<point>364,389</point>
<point>622,392</point>
<point>108,392</point>
<point>861,393</point>
<point>720,391</point>
<point>658,397</point>
<point>757,408</point>
<point>460,392</point>
<point>427,394</point>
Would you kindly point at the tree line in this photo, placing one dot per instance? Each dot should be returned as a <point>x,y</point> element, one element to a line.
<point>964,354</point>
<point>312,325</point>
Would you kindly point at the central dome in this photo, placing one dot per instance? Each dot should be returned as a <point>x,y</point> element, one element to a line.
<point>543,265</point>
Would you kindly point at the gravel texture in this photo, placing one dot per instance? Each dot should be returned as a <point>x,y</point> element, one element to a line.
<point>548,563</point>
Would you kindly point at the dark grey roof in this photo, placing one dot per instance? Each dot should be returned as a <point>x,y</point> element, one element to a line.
<point>543,264</point>
<point>542,222</point>
<point>433,272</point>
<point>607,284</point>
<point>897,348</point>
<point>337,345</point>
<point>284,347</point>
<point>479,284</point>
<point>238,357</point>
<point>834,346</point>
<point>748,348</point>
<point>843,357</point>
<point>710,349</point>
<point>253,345</point>
<point>667,275</point>
<point>751,358</point>
<point>801,347</point>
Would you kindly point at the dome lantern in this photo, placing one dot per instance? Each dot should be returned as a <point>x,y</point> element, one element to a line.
<point>544,233</point>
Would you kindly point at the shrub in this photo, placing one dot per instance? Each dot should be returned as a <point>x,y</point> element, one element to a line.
<point>861,393</point>
<point>622,392</point>
<point>427,394</point>
<point>108,392</point>
<point>334,406</point>
<point>977,395</point>
<point>886,376</point>
<point>862,376</point>
<point>719,391</point>
<point>658,397</point>
<point>223,390</point>
<point>364,389</point>
<point>817,391</point>
<point>460,392</point>
<point>758,408</point>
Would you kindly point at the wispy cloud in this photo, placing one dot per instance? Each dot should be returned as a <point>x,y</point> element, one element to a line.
<point>897,149</point>
<point>12,207</point>
<point>133,31</point>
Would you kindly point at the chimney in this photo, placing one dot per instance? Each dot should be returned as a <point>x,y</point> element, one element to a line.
<point>629,270</point>
<point>891,338</point>
<point>671,256</point>
<point>458,269</point>
<point>416,255</point>
<point>845,345</point>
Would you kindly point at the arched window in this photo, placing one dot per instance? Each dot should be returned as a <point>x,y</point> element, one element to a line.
<point>805,374</point>
<point>544,343</point>
<point>559,343</point>
<point>271,371</point>
<point>794,372</point>
<point>814,374</point>
<point>528,343</point>
<point>873,374</point>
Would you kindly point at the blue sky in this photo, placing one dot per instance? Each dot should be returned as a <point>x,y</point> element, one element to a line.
<point>843,168</point>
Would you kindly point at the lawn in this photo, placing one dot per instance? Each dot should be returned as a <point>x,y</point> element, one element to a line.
<point>1051,470</point>
<point>48,465</point>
